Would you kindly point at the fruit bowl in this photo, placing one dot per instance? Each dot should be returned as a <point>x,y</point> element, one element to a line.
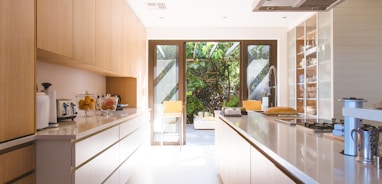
<point>109,104</point>
<point>86,102</point>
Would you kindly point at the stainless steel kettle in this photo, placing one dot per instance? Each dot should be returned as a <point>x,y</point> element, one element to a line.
<point>367,144</point>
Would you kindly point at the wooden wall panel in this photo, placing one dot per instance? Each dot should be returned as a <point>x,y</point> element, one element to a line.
<point>126,87</point>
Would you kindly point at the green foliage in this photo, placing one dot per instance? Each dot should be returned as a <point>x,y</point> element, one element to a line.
<point>232,102</point>
<point>194,105</point>
<point>212,75</point>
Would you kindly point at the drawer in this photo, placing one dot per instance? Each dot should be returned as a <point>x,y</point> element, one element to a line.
<point>133,124</point>
<point>29,179</point>
<point>17,163</point>
<point>132,163</point>
<point>99,168</point>
<point>91,146</point>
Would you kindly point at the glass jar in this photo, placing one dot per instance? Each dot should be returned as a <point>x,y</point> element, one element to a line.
<point>109,104</point>
<point>86,102</point>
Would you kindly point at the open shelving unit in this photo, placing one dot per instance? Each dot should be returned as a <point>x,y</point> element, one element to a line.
<point>306,67</point>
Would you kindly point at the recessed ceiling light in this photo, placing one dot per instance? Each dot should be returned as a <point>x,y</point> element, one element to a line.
<point>161,17</point>
<point>224,17</point>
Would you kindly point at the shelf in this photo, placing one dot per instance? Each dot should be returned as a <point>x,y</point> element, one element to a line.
<point>311,66</point>
<point>306,54</point>
<point>313,82</point>
<point>312,50</point>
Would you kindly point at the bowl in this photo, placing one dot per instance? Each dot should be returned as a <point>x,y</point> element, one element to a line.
<point>86,102</point>
<point>109,104</point>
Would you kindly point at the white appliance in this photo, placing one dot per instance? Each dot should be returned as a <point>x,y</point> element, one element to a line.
<point>42,110</point>
<point>66,109</point>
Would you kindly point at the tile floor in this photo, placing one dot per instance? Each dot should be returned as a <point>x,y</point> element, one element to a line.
<point>193,164</point>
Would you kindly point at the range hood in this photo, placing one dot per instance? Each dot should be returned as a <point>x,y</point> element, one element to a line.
<point>294,5</point>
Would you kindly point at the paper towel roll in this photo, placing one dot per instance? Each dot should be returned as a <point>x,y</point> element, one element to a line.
<point>52,106</point>
<point>42,111</point>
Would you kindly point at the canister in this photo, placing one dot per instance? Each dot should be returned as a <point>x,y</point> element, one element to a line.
<point>351,123</point>
<point>42,110</point>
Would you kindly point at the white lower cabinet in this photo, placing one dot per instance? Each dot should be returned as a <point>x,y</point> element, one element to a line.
<point>264,171</point>
<point>233,155</point>
<point>99,168</point>
<point>108,156</point>
<point>239,162</point>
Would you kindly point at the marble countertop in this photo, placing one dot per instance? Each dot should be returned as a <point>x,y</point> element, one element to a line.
<point>83,126</point>
<point>313,158</point>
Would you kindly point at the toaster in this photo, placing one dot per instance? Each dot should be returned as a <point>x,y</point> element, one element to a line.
<point>66,109</point>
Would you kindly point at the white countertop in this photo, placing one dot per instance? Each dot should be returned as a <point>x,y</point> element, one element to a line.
<point>310,157</point>
<point>82,127</point>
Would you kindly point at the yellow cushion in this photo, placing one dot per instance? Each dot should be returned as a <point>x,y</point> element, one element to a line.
<point>172,106</point>
<point>252,105</point>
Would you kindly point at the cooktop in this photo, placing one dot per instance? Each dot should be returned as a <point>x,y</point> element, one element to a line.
<point>311,125</point>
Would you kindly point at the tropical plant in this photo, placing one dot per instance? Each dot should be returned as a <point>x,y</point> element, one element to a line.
<point>212,75</point>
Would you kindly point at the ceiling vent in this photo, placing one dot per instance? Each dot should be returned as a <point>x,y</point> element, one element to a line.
<point>156,5</point>
<point>294,5</point>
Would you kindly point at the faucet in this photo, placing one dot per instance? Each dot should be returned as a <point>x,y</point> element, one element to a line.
<point>272,76</point>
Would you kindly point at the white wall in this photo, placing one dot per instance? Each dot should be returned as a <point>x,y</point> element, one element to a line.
<point>357,52</point>
<point>68,82</point>
<point>226,33</point>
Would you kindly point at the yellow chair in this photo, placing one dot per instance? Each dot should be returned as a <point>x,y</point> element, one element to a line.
<point>252,105</point>
<point>173,109</point>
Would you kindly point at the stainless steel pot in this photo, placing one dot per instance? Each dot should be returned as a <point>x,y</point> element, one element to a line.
<point>367,144</point>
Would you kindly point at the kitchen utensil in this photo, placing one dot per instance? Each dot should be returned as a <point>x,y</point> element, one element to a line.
<point>42,110</point>
<point>367,144</point>
<point>350,148</point>
<point>66,109</point>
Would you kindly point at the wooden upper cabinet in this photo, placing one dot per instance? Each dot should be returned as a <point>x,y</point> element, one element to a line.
<point>103,36</point>
<point>116,35</point>
<point>17,69</point>
<point>84,31</point>
<point>55,26</point>
<point>103,33</point>
<point>127,37</point>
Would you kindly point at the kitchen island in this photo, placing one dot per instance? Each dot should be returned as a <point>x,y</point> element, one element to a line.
<point>255,148</point>
<point>95,149</point>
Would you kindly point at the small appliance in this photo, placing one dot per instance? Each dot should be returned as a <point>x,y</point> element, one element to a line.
<point>66,109</point>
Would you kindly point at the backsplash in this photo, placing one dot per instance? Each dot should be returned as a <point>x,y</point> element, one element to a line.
<point>69,81</point>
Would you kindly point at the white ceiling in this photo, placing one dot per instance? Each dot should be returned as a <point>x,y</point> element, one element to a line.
<point>211,13</point>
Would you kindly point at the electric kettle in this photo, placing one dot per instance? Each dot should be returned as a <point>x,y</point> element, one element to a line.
<point>367,144</point>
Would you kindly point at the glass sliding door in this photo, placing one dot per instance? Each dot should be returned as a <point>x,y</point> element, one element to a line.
<point>261,74</point>
<point>166,71</point>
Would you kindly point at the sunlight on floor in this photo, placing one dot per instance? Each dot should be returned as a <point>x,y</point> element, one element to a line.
<point>194,163</point>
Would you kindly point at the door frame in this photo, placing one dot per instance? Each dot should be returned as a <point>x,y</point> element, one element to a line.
<point>181,85</point>
<point>182,71</point>
<point>244,57</point>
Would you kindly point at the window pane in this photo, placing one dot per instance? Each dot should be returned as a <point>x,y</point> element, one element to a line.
<point>257,71</point>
